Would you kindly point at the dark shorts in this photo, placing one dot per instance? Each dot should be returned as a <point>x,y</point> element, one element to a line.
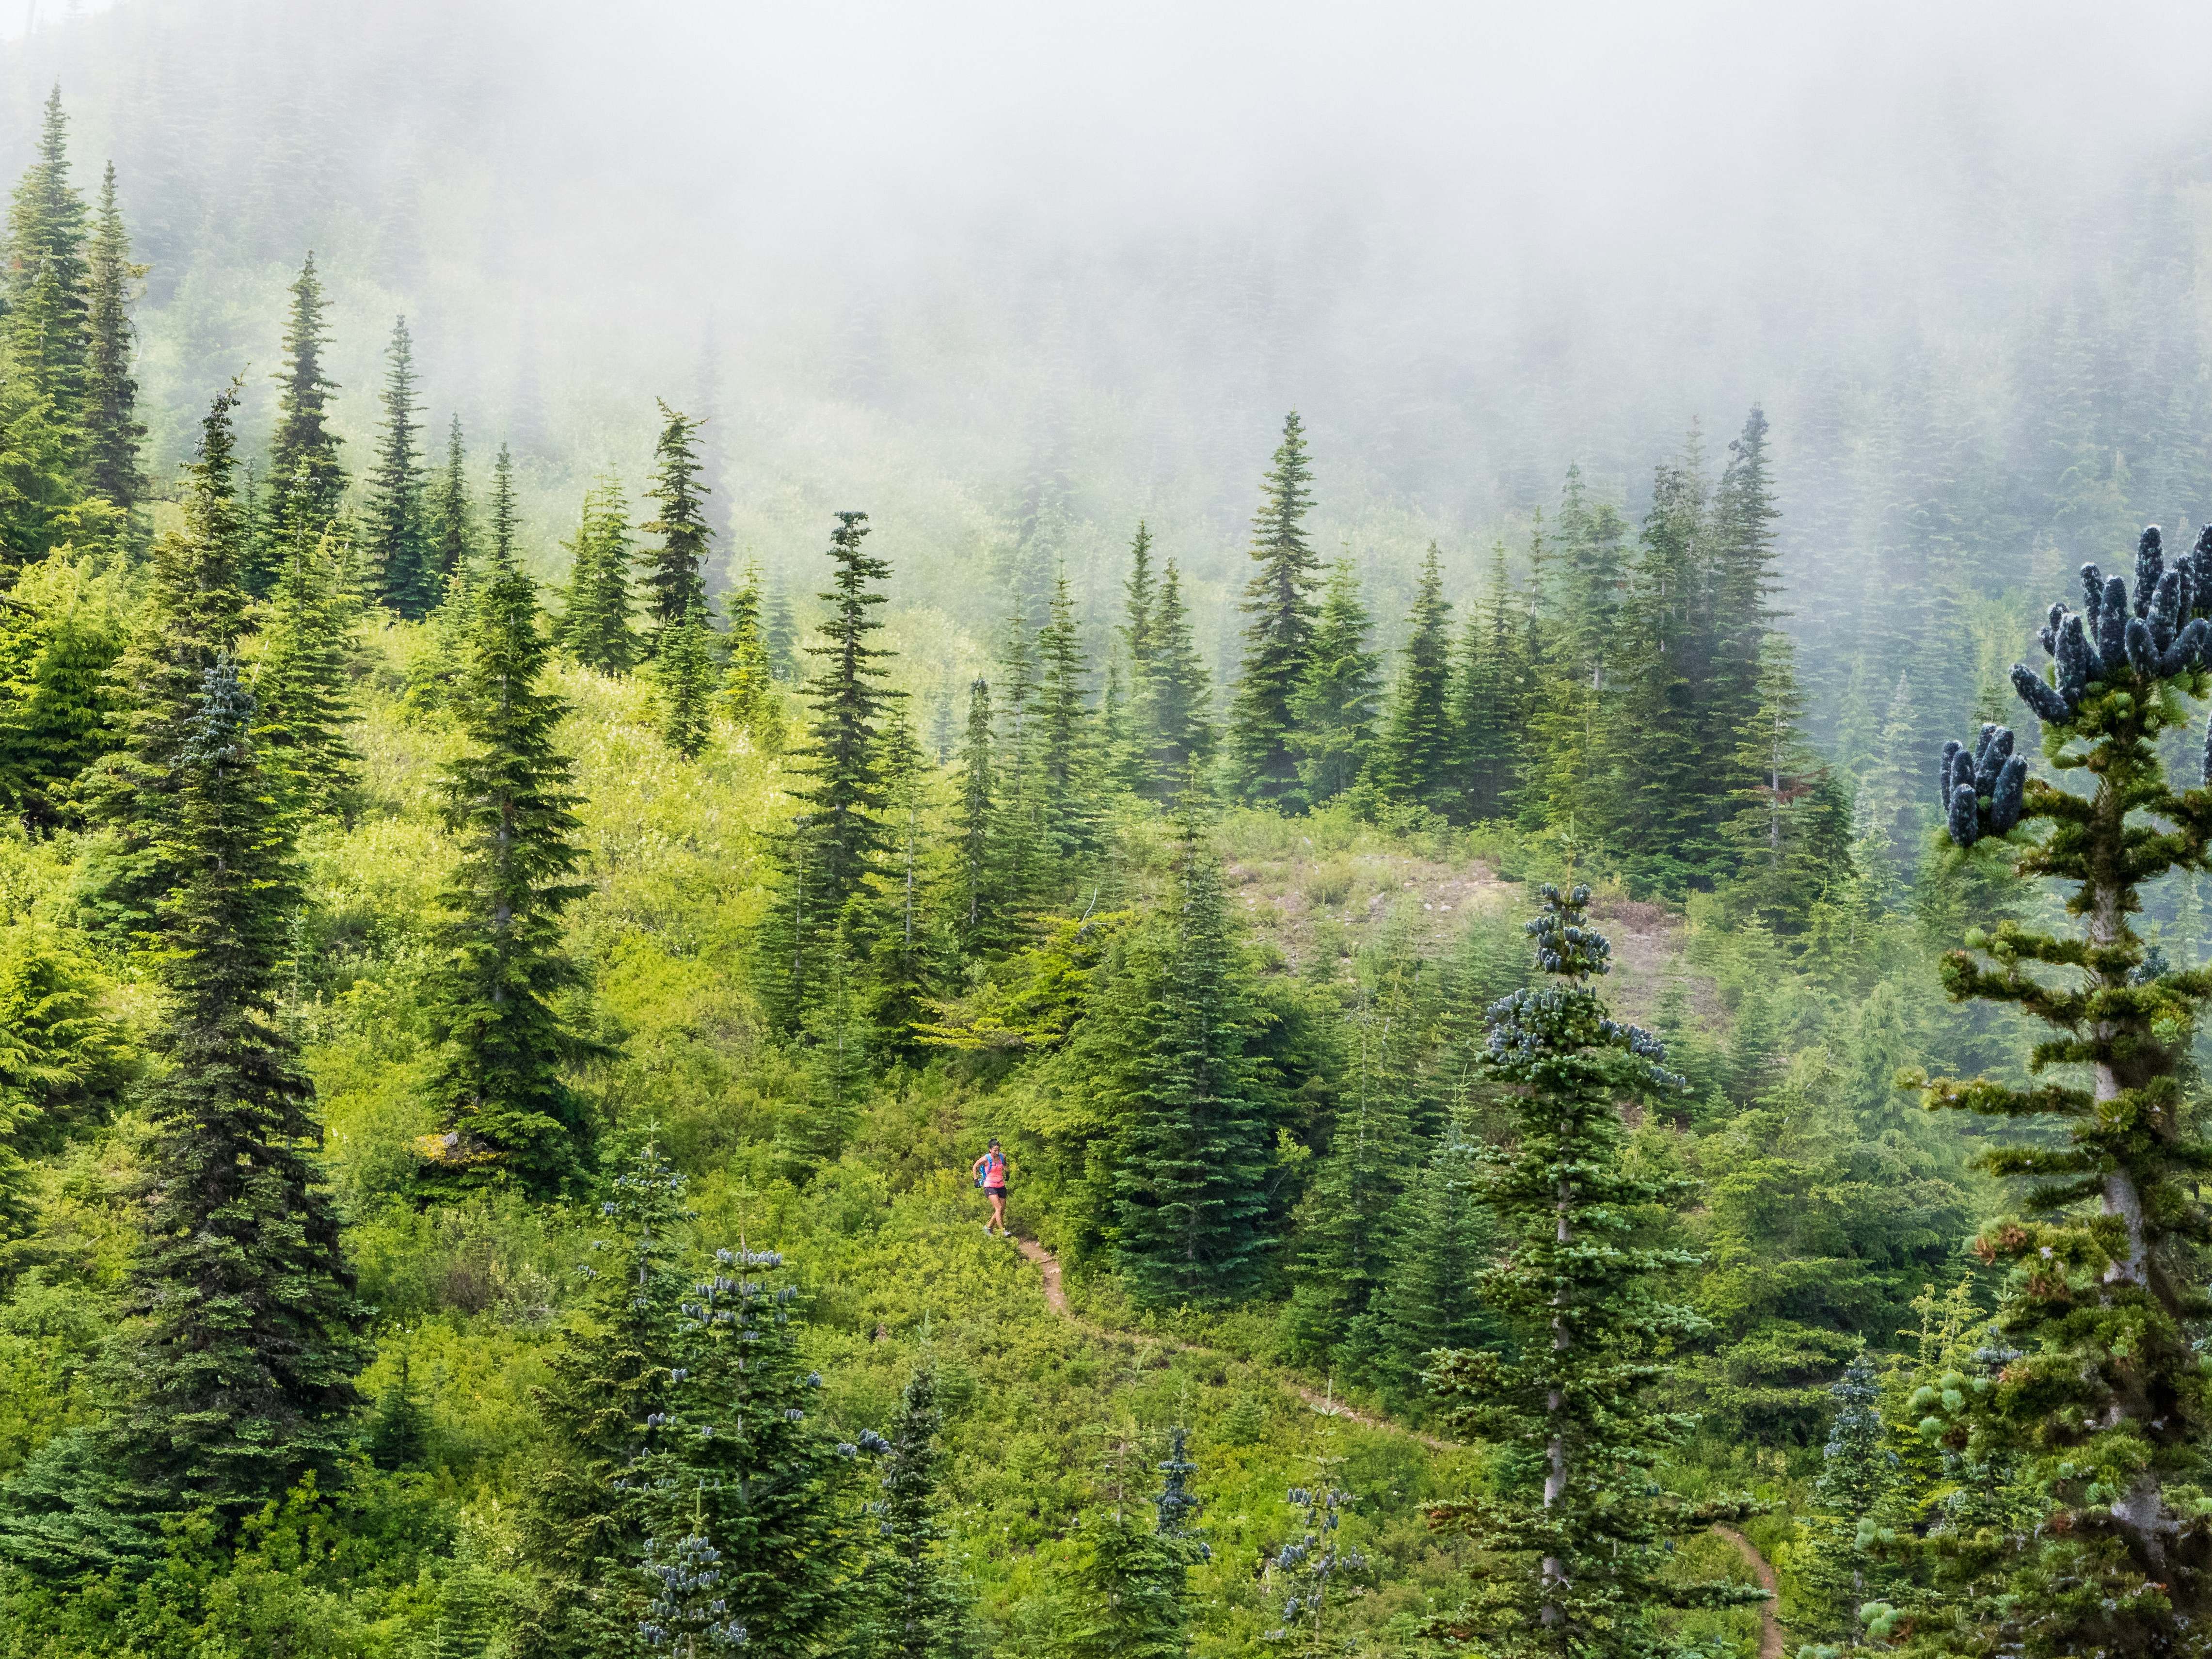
<point>994,1192</point>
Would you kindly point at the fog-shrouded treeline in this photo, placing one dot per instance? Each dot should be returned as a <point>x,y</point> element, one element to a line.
<point>559,879</point>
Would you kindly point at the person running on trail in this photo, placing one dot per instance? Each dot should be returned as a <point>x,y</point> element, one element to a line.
<point>991,1175</point>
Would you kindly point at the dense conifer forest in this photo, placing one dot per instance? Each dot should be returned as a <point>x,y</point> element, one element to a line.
<point>1607,1068</point>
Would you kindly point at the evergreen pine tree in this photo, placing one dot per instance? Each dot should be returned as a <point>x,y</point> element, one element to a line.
<point>843,791</point>
<point>247,1335</point>
<point>1491,701</point>
<point>779,630</point>
<point>112,431</point>
<point>399,545</point>
<point>675,578</point>
<point>509,1115</point>
<point>299,681</point>
<point>1414,756</point>
<point>500,511</point>
<point>2105,1404</point>
<point>58,700</point>
<point>597,629</point>
<point>1172,704</point>
<point>1742,587</point>
<point>1133,1568</point>
<point>192,617</point>
<point>1335,707</point>
<point>1572,786</point>
<point>901,960</point>
<point>47,294</point>
<point>684,687</point>
<point>1428,1301</point>
<point>1139,594</point>
<point>1348,1221</point>
<point>749,696</point>
<point>976,871</point>
<point>1278,640</point>
<point>305,474</point>
<point>1064,739</point>
<point>911,1608</point>
<point>1792,835</point>
<point>1579,1570</point>
<point>452,533</point>
<point>1194,1139</point>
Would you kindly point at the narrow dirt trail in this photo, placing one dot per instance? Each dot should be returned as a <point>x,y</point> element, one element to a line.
<point>1770,1644</point>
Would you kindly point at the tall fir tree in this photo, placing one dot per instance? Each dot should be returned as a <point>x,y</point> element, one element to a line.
<point>675,578</point>
<point>748,697</point>
<point>1335,702</point>
<point>306,477</point>
<point>1491,700</point>
<point>1348,1222</point>
<point>47,294</point>
<point>1172,705</point>
<point>1579,1570</point>
<point>397,541</point>
<point>112,431</point>
<point>598,628</point>
<point>451,530</point>
<point>975,869</point>
<point>300,682</point>
<point>1134,1567</point>
<point>1414,756</point>
<point>911,1607</point>
<point>2104,1400</point>
<point>684,687</point>
<point>1791,834</point>
<point>246,1334</point>
<point>1572,785</point>
<point>1430,1300</point>
<point>507,1113</point>
<point>1066,757</point>
<point>1193,1139</point>
<point>843,793</point>
<point>1279,639</point>
<point>192,617</point>
<point>1742,585</point>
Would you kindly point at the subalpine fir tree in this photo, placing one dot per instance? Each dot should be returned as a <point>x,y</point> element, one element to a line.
<point>1846,1565</point>
<point>1194,1137</point>
<point>1490,700</point>
<point>1025,858</point>
<point>501,519</point>
<point>58,701</point>
<point>748,697</point>
<point>451,529</point>
<point>1135,1564</point>
<point>843,793</point>
<point>306,478</point>
<point>675,580</point>
<point>1173,703</point>
<point>1335,702</point>
<point>1571,785</point>
<point>299,681</point>
<point>976,885</point>
<point>192,617</point>
<point>911,1607</point>
<point>780,630</point>
<point>2105,1405</point>
<point>247,1332</point>
<point>1139,592</point>
<point>396,542</point>
<point>1414,755</point>
<point>1348,1222</point>
<point>1129,665</point>
<point>1792,833</point>
<point>1308,1578</point>
<point>42,506</point>
<point>1670,815</point>
<point>597,628</point>
<point>1428,1301</point>
<point>508,1114</point>
<point>1579,1568</point>
<point>1741,586</point>
<point>684,687</point>
<point>900,958</point>
<point>112,431</point>
<point>1065,756</point>
<point>47,294</point>
<point>1278,640</point>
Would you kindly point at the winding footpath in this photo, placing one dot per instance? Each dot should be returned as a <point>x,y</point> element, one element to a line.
<point>1771,1642</point>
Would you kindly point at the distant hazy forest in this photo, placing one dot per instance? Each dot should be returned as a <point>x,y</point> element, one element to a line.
<point>851,833</point>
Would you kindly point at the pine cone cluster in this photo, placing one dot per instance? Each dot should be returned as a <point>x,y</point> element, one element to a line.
<point>2168,632</point>
<point>1981,789</point>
